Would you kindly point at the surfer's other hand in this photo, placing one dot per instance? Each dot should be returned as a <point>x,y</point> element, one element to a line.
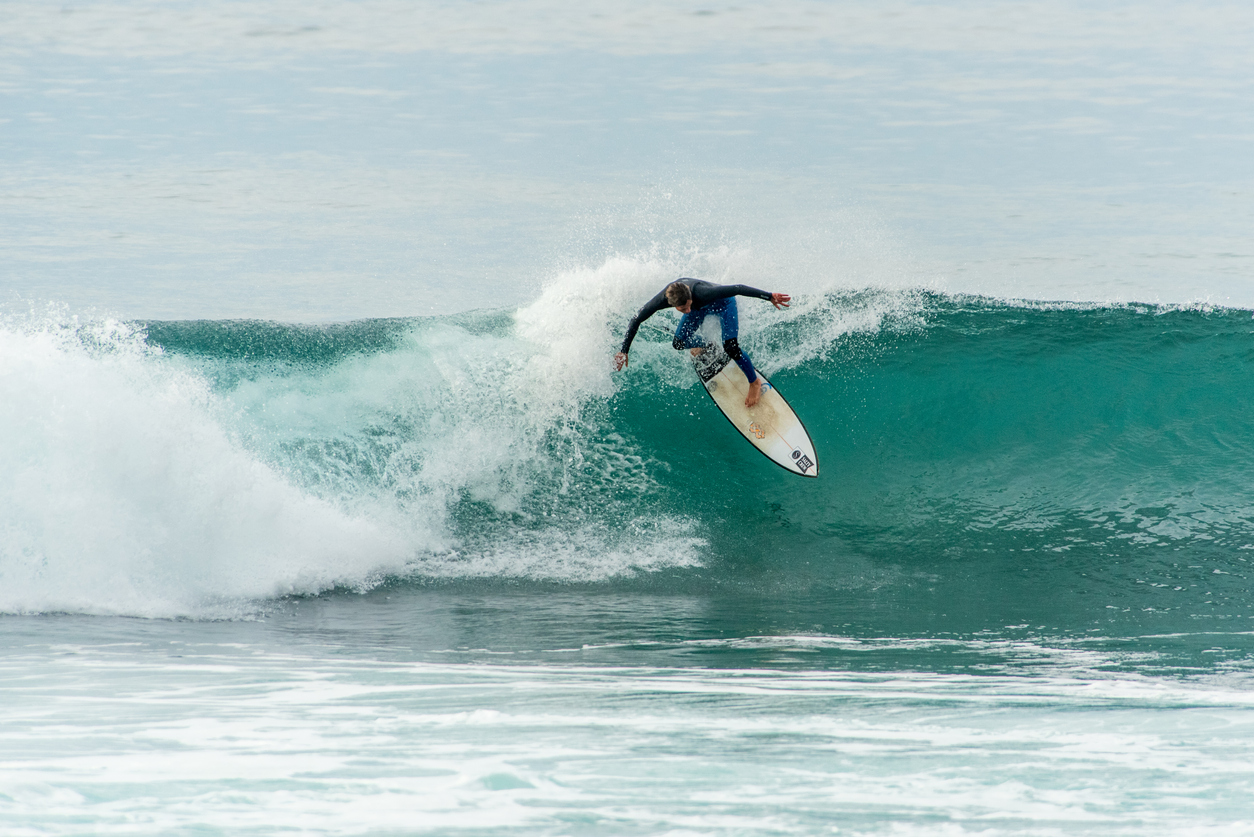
<point>780,300</point>
<point>620,360</point>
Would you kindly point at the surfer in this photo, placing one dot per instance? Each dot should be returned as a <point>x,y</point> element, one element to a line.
<point>696,299</point>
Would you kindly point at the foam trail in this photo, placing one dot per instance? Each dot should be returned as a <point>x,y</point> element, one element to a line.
<point>715,749</point>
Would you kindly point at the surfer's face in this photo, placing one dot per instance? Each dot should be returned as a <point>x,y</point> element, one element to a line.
<point>685,308</point>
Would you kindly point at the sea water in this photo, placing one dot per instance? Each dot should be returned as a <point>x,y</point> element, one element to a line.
<point>323,512</point>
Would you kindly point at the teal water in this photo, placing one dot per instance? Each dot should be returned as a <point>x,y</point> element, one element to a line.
<point>453,574</point>
<point>977,454</point>
<point>985,464</point>
<point>323,513</point>
<point>223,727</point>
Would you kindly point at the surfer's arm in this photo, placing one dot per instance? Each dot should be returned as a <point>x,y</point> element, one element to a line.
<point>709,293</point>
<point>648,310</point>
<point>745,290</point>
<point>778,300</point>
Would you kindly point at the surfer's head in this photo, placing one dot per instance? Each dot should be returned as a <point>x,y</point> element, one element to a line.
<point>679,295</point>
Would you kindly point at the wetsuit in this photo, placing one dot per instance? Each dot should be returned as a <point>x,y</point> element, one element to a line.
<point>707,299</point>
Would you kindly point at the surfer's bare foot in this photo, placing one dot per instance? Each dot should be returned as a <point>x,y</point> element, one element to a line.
<point>696,352</point>
<point>755,392</point>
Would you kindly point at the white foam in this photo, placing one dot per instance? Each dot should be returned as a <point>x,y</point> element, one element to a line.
<point>581,315</point>
<point>136,488</point>
<point>123,493</point>
<point>330,744</point>
<point>132,487</point>
<point>590,553</point>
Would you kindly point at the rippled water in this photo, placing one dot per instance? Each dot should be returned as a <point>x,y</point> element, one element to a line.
<point>428,566</point>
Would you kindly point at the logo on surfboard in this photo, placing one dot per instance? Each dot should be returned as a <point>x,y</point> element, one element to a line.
<point>803,462</point>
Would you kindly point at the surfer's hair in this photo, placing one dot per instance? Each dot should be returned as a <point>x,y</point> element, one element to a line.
<point>677,293</point>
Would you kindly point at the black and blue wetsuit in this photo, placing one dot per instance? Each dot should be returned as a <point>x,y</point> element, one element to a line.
<point>707,299</point>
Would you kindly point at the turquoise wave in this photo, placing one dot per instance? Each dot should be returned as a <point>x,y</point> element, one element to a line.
<point>965,442</point>
<point>983,462</point>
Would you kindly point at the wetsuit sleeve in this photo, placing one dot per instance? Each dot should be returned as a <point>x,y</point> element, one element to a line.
<point>648,310</point>
<point>724,291</point>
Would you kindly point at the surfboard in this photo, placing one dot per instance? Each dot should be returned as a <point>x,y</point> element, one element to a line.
<point>771,426</point>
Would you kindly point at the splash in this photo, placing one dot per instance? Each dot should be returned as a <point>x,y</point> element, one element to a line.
<point>204,468</point>
<point>124,493</point>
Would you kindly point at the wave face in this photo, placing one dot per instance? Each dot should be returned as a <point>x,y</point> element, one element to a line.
<point>987,459</point>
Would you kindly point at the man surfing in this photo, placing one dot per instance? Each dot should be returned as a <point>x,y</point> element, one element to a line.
<point>696,299</point>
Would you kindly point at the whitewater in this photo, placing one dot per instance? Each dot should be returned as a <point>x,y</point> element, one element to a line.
<point>421,532</point>
<point>323,511</point>
<point>202,469</point>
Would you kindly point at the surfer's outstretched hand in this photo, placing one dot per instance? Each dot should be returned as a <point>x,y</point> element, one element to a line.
<point>620,360</point>
<point>780,300</point>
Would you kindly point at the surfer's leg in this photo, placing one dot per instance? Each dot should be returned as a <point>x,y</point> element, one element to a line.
<point>686,336</point>
<point>732,347</point>
<point>731,343</point>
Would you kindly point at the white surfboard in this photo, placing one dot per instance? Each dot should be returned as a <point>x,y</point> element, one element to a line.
<point>770,425</point>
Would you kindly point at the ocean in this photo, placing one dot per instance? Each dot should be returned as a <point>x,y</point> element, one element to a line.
<point>323,512</point>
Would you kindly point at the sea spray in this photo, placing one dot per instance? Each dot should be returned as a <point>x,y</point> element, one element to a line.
<point>123,492</point>
<point>976,450</point>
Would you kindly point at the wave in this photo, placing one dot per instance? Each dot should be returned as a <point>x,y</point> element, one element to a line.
<point>197,468</point>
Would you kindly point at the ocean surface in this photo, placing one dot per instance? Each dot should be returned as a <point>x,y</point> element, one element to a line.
<point>323,512</point>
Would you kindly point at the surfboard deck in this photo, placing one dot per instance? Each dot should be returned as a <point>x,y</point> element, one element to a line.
<point>771,426</point>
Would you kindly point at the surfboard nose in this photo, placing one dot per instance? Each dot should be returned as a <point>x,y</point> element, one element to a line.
<point>805,462</point>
